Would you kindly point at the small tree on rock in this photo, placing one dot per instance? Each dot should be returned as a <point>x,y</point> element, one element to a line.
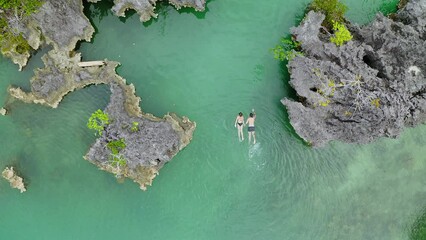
<point>98,121</point>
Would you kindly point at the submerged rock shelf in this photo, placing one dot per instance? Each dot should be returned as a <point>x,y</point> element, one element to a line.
<point>371,87</point>
<point>156,140</point>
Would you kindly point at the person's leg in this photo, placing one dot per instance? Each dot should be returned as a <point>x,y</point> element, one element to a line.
<point>249,133</point>
<point>242,134</point>
<point>239,132</point>
<point>254,137</point>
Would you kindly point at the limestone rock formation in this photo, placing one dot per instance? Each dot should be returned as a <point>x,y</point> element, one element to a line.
<point>60,23</point>
<point>60,76</point>
<point>147,150</point>
<point>145,8</point>
<point>372,86</point>
<point>15,181</point>
<point>3,111</point>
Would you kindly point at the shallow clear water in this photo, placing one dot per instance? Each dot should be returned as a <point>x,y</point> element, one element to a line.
<point>207,66</point>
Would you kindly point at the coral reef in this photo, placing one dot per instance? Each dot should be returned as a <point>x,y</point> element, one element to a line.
<point>15,181</point>
<point>370,87</point>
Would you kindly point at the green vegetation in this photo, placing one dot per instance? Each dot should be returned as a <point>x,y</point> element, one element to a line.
<point>287,50</point>
<point>334,11</point>
<point>21,7</point>
<point>375,102</point>
<point>418,230</point>
<point>116,146</point>
<point>341,34</point>
<point>10,41</point>
<point>135,127</point>
<point>98,121</point>
<point>117,161</point>
<point>15,9</point>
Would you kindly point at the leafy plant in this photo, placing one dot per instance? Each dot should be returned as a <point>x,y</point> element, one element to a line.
<point>135,127</point>
<point>116,146</point>
<point>418,229</point>
<point>117,161</point>
<point>341,34</point>
<point>22,7</point>
<point>334,10</point>
<point>287,50</point>
<point>10,41</point>
<point>375,102</point>
<point>97,121</point>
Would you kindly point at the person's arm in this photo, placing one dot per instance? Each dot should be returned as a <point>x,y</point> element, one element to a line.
<point>235,124</point>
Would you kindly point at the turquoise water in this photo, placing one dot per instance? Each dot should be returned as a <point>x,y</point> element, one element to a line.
<point>207,66</point>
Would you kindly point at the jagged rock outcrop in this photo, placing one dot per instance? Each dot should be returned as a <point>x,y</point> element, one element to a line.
<point>147,150</point>
<point>60,23</point>
<point>60,76</point>
<point>145,8</point>
<point>373,86</point>
<point>15,181</point>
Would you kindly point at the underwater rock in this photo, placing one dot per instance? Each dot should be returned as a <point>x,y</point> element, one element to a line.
<point>370,87</point>
<point>15,181</point>
<point>145,8</point>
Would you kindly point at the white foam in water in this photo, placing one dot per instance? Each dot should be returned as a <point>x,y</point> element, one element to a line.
<point>255,153</point>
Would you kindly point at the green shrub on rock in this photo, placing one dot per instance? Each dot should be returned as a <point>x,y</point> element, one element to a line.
<point>97,121</point>
<point>117,161</point>
<point>135,127</point>
<point>21,7</point>
<point>341,34</point>
<point>334,10</point>
<point>116,146</point>
<point>287,50</point>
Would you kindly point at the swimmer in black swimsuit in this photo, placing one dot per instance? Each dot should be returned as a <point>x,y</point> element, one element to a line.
<point>240,121</point>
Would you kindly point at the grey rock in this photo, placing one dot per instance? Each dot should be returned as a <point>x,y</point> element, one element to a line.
<point>145,8</point>
<point>57,22</point>
<point>372,86</point>
<point>147,150</point>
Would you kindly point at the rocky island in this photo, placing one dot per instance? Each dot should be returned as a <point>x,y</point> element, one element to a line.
<point>132,144</point>
<point>369,87</point>
<point>12,177</point>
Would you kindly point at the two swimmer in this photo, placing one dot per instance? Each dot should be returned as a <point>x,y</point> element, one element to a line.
<point>239,123</point>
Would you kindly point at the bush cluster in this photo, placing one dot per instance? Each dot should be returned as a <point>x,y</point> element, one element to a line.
<point>333,10</point>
